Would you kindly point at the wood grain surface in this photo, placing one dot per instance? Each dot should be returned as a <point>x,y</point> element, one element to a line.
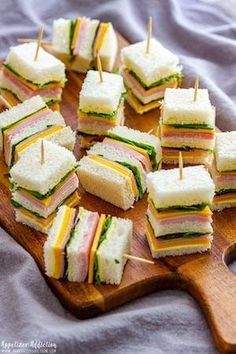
<point>205,276</point>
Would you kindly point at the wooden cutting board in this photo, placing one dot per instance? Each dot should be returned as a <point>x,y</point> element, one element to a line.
<point>205,276</point>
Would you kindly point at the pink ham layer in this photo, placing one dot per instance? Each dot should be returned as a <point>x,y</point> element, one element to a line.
<point>222,179</point>
<point>54,93</point>
<point>145,96</point>
<point>181,219</point>
<point>81,37</point>
<point>132,153</point>
<point>84,243</point>
<point>70,184</point>
<point>35,118</point>
<point>188,135</point>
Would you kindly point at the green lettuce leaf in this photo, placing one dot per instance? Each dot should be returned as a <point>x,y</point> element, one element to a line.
<point>190,234</point>
<point>192,126</point>
<point>184,207</point>
<point>164,80</point>
<point>225,191</point>
<point>137,176</point>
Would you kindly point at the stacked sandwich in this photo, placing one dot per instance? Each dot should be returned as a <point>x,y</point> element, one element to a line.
<point>39,186</point>
<point>101,103</point>
<point>147,75</point>
<point>87,246</point>
<point>23,125</point>
<point>178,216</point>
<point>25,77</point>
<point>115,170</point>
<point>77,42</point>
<point>223,171</point>
<point>188,126</point>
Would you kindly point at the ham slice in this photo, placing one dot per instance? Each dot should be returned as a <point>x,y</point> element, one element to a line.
<point>79,252</point>
<point>146,95</point>
<point>30,202</point>
<point>21,89</point>
<point>129,151</point>
<point>223,180</point>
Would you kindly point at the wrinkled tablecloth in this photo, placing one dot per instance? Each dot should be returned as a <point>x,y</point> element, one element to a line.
<point>203,35</point>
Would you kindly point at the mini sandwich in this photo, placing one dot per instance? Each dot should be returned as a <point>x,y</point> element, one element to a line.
<point>188,126</point>
<point>178,219</point>
<point>146,144</point>
<point>77,43</point>
<point>26,123</point>
<point>110,153</point>
<point>147,75</point>
<point>223,171</point>
<point>58,236</point>
<point>39,188</point>
<point>111,242</point>
<point>25,77</point>
<point>100,103</point>
<point>79,246</point>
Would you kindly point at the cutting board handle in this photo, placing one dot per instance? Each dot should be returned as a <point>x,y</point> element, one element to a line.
<point>213,285</point>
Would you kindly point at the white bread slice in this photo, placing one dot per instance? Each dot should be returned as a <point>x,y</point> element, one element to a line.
<point>101,97</point>
<point>110,253</point>
<point>29,173</point>
<point>161,229</point>
<point>105,183</point>
<point>33,223</point>
<point>166,189</point>
<point>109,49</point>
<point>112,154</point>
<point>225,151</point>
<point>180,108</point>
<point>64,137</point>
<point>137,136</point>
<point>20,111</point>
<point>41,71</point>
<point>61,36</point>
<point>151,67</point>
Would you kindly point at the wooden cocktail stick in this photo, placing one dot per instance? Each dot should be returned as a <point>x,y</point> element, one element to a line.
<point>42,159</point>
<point>5,102</point>
<point>196,85</point>
<point>99,67</point>
<point>180,166</point>
<point>29,40</point>
<point>138,259</point>
<point>40,37</point>
<point>149,34</point>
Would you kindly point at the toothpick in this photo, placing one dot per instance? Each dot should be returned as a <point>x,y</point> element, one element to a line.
<point>40,37</point>
<point>99,67</point>
<point>196,85</point>
<point>42,153</point>
<point>149,34</point>
<point>180,166</point>
<point>29,40</point>
<point>5,102</point>
<point>150,131</point>
<point>138,259</point>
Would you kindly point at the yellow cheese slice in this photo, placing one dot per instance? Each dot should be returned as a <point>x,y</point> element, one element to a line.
<point>60,238</point>
<point>124,171</point>
<point>94,247</point>
<point>172,213</point>
<point>225,198</point>
<point>139,107</point>
<point>73,200</point>
<point>38,221</point>
<point>76,31</point>
<point>31,85</point>
<point>20,148</point>
<point>157,245</point>
<point>102,31</point>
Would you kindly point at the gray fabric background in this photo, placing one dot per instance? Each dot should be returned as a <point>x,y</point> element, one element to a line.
<point>165,322</point>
